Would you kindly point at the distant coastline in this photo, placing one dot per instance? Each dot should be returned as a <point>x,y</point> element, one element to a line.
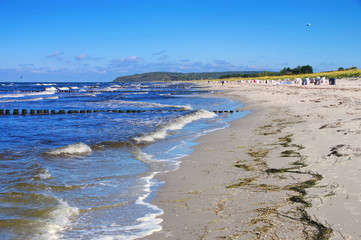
<point>215,76</point>
<point>175,76</point>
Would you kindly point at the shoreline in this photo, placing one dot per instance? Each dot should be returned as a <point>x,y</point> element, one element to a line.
<point>276,173</point>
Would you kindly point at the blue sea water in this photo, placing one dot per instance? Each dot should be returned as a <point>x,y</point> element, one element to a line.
<point>93,175</point>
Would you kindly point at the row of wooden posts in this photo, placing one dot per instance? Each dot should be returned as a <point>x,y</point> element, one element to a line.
<point>45,112</point>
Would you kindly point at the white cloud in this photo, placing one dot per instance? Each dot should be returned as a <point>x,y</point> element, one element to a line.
<point>57,55</point>
<point>82,57</point>
<point>128,64</point>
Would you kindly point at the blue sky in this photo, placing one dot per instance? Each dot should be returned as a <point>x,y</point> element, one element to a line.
<point>98,40</point>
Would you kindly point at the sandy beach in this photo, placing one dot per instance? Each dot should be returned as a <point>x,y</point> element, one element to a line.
<point>289,170</point>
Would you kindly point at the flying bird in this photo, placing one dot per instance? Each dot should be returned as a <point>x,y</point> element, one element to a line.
<point>308,24</point>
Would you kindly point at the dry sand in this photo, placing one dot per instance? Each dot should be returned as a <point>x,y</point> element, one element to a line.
<point>289,170</point>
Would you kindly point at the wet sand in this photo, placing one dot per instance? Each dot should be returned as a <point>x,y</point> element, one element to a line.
<point>289,170</point>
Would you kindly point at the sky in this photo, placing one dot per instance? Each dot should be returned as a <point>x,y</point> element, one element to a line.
<point>99,40</point>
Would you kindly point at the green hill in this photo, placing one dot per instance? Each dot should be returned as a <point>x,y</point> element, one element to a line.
<point>171,76</point>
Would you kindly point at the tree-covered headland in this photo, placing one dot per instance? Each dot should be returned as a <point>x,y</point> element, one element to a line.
<point>286,71</point>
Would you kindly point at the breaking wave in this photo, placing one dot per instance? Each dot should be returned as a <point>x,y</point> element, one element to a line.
<point>31,99</point>
<point>73,149</point>
<point>176,125</point>
<point>149,104</point>
<point>58,220</point>
<point>19,95</point>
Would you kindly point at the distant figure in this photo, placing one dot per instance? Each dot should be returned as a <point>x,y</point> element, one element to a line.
<point>222,82</point>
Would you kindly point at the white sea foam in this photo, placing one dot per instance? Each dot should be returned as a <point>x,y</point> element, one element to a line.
<point>76,148</point>
<point>48,84</point>
<point>30,99</point>
<point>63,88</point>
<point>149,223</point>
<point>116,86</point>
<point>24,94</point>
<point>145,226</point>
<point>150,104</point>
<point>142,156</point>
<point>9,85</point>
<point>51,89</point>
<point>175,125</point>
<point>59,219</point>
<point>111,88</point>
<point>43,174</point>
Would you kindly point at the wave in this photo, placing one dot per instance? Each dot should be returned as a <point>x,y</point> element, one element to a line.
<point>63,88</point>
<point>149,104</point>
<point>39,216</point>
<point>46,84</point>
<point>175,125</point>
<point>149,223</point>
<point>18,95</point>
<point>42,174</point>
<point>51,89</point>
<point>59,219</point>
<point>30,99</point>
<point>144,157</point>
<point>73,149</point>
<point>144,226</point>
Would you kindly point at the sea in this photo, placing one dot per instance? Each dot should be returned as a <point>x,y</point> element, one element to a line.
<point>80,160</point>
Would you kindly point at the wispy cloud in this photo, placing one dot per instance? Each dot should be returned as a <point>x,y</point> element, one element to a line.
<point>26,65</point>
<point>158,53</point>
<point>128,62</point>
<point>82,57</point>
<point>54,55</point>
<point>189,66</point>
<point>131,59</point>
<point>163,57</point>
<point>58,55</point>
